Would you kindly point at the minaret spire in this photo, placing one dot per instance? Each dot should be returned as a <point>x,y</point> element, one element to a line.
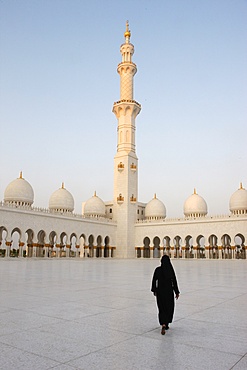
<point>127,33</point>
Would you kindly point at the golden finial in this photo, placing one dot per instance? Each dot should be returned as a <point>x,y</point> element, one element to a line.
<point>21,175</point>
<point>194,190</point>
<point>95,194</point>
<point>62,185</point>
<point>241,185</point>
<point>127,32</point>
<point>154,195</point>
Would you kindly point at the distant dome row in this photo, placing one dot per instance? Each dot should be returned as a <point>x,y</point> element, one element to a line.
<point>20,193</point>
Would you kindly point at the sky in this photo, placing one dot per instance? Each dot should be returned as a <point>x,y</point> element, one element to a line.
<point>58,83</point>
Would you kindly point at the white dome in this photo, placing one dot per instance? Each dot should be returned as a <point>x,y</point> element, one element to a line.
<point>61,201</point>
<point>195,206</point>
<point>94,207</point>
<point>238,201</point>
<point>155,209</point>
<point>19,192</point>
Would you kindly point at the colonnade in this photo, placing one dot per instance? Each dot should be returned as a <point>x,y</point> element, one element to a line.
<point>36,250</point>
<point>219,252</point>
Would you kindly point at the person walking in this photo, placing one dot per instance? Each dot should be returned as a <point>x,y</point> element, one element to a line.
<point>164,285</point>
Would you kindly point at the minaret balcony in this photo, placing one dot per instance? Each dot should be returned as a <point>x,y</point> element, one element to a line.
<point>127,101</point>
<point>120,167</point>
<point>120,199</point>
<point>133,167</point>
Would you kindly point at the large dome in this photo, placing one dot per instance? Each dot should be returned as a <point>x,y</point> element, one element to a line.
<point>238,201</point>
<point>61,201</point>
<point>94,207</point>
<point>195,206</point>
<point>155,209</point>
<point>19,192</point>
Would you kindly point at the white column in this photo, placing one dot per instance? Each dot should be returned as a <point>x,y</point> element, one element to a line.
<point>46,251</point>
<point>21,244</point>
<point>207,253</point>
<point>67,250</point>
<point>34,250</point>
<point>8,247</point>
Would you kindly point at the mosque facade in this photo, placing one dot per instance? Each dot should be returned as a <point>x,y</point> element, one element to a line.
<point>124,227</point>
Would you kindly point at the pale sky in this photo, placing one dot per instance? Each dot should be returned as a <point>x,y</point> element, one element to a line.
<point>58,82</point>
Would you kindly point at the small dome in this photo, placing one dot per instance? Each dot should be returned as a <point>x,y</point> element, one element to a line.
<point>19,192</point>
<point>61,201</point>
<point>155,209</point>
<point>238,201</point>
<point>94,207</point>
<point>195,206</point>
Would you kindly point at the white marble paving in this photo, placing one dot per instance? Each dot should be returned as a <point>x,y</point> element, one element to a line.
<point>100,314</point>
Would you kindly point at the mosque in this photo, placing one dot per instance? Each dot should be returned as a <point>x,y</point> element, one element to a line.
<point>124,227</point>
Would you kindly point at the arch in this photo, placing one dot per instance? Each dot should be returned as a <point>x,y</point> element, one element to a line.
<point>73,245</point>
<point>200,244</point>
<point>226,246</point>
<point>63,244</point>
<point>3,238</point>
<point>146,247</point>
<point>83,251</point>
<point>156,251</point>
<point>167,245</point>
<point>40,243</point>
<point>15,242</point>
<point>240,247</point>
<point>98,246</point>
<point>178,247</point>
<point>213,246</point>
<point>29,242</point>
<point>106,247</point>
<point>189,247</point>
<point>90,245</point>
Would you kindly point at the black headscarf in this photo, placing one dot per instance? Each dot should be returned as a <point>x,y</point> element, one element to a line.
<point>166,266</point>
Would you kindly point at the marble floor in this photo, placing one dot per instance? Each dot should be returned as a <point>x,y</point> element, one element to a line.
<point>100,314</point>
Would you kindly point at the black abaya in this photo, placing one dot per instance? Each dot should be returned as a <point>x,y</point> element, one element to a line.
<point>164,284</point>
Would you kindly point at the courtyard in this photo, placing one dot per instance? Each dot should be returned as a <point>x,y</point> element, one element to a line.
<point>67,314</point>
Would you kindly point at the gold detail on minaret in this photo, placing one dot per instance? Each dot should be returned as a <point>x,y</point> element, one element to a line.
<point>133,167</point>
<point>120,198</point>
<point>132,198</point>
<point>121,165</point>
<point>127,33</point>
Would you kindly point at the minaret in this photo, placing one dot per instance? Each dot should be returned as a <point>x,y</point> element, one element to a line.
<point>125,161</point>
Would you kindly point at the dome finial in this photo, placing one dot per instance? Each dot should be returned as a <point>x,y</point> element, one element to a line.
<point>241,185</point>
<point>127,33</point>
<point>21,175</point>
<point>194,190</point>
<point>154,195</point>
<point>62,185</point>
<point>95,193</point>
